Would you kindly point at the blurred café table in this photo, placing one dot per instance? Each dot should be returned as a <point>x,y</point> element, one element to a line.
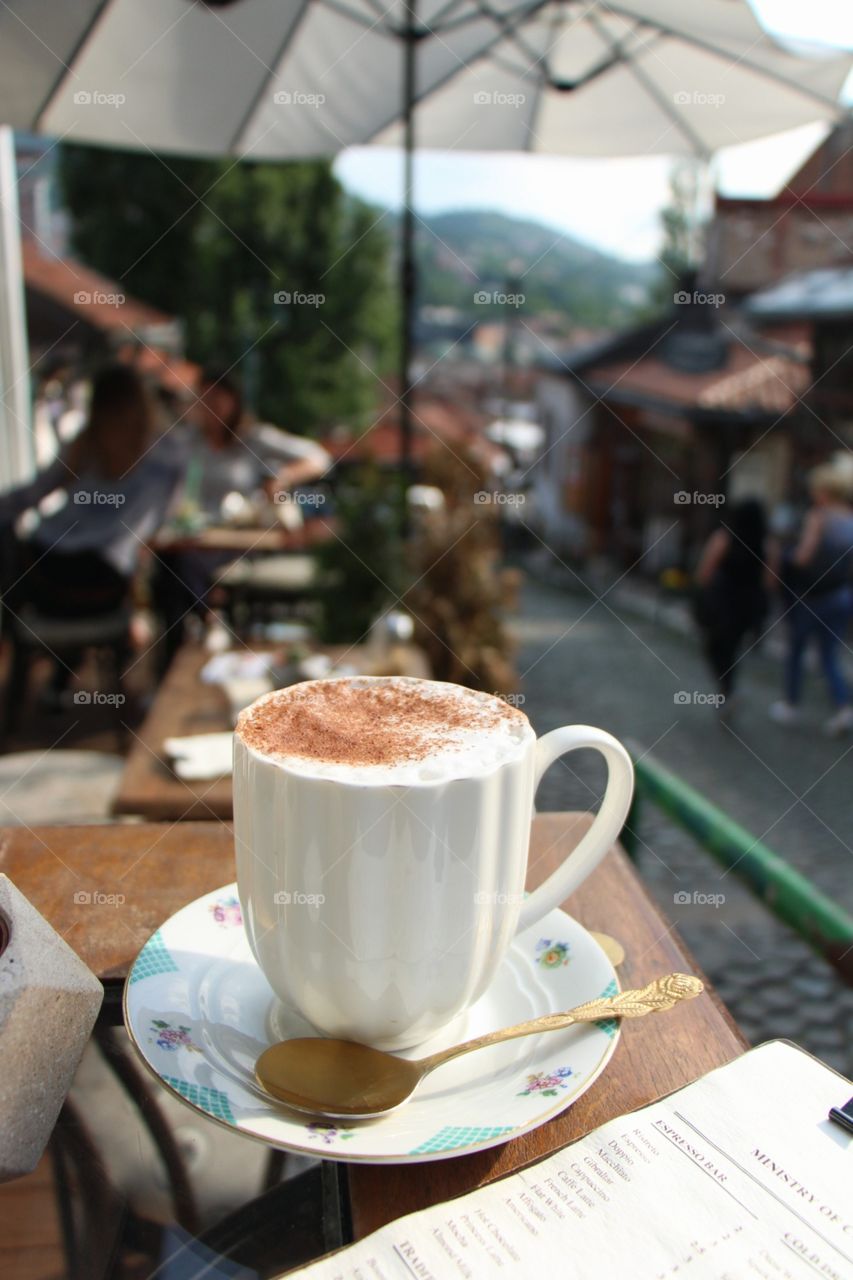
<point>185,706</point>
<point>257,568</point>
<point>151,1184</point>
<point>242,540</point>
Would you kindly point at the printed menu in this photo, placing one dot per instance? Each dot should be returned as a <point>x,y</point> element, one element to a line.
<point>739,1176</point>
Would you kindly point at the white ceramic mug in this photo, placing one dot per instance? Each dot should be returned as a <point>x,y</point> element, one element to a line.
<point>381,912</point>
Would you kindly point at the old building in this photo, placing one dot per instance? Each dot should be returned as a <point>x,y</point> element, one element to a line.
<point>820,303</point>
<point>740,388</point>
<point>807,225</point>
<point>650,434</point>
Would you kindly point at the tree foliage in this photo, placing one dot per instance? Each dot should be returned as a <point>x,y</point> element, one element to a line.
<point>683,233</point>
<point>362,570</point>
<point>222,244</point>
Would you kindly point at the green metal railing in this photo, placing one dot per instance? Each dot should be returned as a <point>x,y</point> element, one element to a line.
<point>788,894</point>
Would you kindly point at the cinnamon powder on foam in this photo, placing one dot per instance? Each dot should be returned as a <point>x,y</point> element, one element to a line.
<point>347,722</point>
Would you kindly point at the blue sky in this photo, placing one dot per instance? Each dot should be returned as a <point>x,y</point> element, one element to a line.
<point>586,198</point>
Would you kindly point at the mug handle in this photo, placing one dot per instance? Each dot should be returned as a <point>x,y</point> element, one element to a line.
<point>606,826</point>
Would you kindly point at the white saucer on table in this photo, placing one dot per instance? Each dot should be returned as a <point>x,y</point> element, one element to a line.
<point>199,1012</point>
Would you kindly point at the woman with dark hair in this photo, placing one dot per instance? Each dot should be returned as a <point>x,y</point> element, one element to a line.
<point>731,600</point>
<point>108,492</point>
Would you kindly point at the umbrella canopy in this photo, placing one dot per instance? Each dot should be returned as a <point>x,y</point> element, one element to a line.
<point>275,79</point>
<point>288,78</point>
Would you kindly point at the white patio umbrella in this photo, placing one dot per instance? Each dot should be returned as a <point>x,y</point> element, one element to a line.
<point>284,78</point>
<point>269,79</point>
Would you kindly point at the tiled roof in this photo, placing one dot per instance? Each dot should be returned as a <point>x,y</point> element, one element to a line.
<point>131,326</point>
<point>749,382</point>
<point>101,302</point>
<point>435,422</point>
<point>771,385</point>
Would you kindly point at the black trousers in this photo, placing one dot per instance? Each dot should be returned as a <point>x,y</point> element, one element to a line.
<point>65,584</point>
<point>722,643</point>
<point>59,584</point>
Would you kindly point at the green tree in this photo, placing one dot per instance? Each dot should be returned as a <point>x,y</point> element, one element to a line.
<point>134,217</point>
<point>223,245</point>
<point>362,570</point>
<point>678,220</point>
<point>683,235</point>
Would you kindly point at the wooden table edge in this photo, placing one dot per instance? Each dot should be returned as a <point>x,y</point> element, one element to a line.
<point>210,847</point>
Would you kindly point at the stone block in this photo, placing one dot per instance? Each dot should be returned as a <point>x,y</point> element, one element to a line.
<point>49,1001</point>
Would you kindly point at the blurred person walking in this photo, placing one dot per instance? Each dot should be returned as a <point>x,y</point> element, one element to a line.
<point>816,577</point>
<point>731,600</point>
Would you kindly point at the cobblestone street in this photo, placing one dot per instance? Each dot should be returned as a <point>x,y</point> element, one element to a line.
<point>585,661</point>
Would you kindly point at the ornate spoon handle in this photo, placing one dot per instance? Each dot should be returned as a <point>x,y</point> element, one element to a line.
<point>658,996</point>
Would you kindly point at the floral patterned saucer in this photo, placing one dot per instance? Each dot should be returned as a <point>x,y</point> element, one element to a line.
<point>199,1012</point>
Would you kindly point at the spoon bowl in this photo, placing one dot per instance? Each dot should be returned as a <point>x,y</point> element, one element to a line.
<point>337,1078</point>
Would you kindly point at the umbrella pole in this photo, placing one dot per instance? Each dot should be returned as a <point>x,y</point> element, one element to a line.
<point>407,255</point>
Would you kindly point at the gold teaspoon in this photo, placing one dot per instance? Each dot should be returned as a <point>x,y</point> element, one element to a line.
<point>340,1078</point>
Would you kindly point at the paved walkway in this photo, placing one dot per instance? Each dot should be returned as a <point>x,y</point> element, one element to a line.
<point>587,661</point>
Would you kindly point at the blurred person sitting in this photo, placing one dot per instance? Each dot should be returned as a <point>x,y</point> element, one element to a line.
<point>731,601</point>
<point>98,502</point>
<point>221,452</point>
<point>816,577</point>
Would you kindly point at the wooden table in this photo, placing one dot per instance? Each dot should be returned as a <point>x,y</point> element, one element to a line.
<point>159,868</point>
<point>246,541</point>
<point>185,705</point>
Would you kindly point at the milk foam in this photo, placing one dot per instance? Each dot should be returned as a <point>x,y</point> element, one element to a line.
<point>492,734</point>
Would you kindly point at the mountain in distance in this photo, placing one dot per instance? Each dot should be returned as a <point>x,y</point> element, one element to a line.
<point>469,252</point>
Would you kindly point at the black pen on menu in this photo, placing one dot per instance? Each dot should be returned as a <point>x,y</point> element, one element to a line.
<point>843,1115</point>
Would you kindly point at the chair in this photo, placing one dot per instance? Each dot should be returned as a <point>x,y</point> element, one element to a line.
<point>260,587</point>
<point>132,1199</point>
<point>31,632</point>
